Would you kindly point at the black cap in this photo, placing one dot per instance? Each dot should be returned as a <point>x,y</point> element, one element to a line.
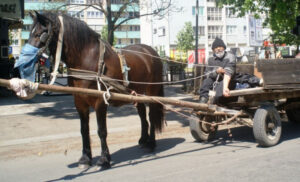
<point>218,43</point>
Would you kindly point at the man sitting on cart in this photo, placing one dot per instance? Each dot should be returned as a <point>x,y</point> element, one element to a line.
<point>219,74</point>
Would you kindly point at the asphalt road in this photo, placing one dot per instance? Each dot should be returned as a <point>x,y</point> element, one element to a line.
<point>40,141</point>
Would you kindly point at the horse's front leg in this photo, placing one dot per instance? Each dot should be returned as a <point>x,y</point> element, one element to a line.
<point>144,124</point>
<point>83,110</point>
<point>101,111</point>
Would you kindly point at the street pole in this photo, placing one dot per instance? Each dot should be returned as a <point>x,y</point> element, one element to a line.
<point>196,72</point>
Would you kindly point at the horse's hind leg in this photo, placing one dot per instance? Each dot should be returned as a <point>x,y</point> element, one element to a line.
<point>105,158</point>
<point>144,124</point>
<point>83,111</point>
<point>156,122</point>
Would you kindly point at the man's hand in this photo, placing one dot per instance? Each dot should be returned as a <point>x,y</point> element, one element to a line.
<point>220,70</point>
<point>226,92</point>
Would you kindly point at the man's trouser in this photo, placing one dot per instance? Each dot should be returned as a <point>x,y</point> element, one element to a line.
<point>218,99</point>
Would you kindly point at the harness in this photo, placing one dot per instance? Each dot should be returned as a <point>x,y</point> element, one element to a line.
<point>99,76</point>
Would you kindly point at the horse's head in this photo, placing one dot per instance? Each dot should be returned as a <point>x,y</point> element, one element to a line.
<point>38,42</point>
<point>41,31</point>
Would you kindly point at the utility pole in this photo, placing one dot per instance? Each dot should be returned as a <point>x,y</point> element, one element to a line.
<point>196,72</point>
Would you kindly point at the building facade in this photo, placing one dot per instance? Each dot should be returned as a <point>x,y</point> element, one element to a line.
<point>237,32</point>
<point>128,33</point>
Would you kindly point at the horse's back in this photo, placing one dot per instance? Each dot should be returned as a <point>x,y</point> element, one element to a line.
<point>145,66</point>
<point>143,56</point>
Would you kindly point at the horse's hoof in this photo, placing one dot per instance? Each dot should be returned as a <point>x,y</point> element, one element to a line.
<point>143,142</point>
<point>104,167</point>
<point>83,166</point>
<point>151,145</point>
<point>103,163</point>
<point>84,162</point>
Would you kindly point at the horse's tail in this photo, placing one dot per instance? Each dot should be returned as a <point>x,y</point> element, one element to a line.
<point>157,112</point>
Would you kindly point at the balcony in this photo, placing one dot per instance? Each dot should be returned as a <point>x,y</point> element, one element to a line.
<point>44,6</point>
<point>128,34</point>
<point>25,35</point>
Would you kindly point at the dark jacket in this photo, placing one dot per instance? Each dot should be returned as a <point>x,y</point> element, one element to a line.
<point>228,62</point>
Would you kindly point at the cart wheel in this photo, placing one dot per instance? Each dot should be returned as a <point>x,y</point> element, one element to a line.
<point>294,113</point>
<point>201,131</point>
<point>267,126</point>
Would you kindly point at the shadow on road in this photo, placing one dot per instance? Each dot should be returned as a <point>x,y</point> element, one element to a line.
<point>129,156</point>
<point>135,155</point>
<point>245,134</point>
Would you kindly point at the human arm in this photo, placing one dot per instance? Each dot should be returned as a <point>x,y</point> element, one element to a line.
<point>226,81</point>
<point>229,72</point>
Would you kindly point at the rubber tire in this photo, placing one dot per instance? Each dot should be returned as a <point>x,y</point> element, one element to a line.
<point>199,133</point>
<point>293,114</point>
<point>263,115</point>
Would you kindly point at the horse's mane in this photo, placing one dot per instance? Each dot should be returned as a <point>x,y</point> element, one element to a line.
<point>76,32</point>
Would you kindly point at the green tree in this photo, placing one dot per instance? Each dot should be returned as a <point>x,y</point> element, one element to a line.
<point>104,34</point>
<point>280,16</point>
<point>185,38</point>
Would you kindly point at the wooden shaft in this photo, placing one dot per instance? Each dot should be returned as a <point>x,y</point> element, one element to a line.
<point>117,96</point>
<point>260,91</point>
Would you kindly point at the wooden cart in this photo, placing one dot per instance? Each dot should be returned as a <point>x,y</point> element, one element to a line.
<point>258,107</point>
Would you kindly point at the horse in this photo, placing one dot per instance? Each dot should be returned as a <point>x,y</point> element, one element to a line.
<point>81,50</point>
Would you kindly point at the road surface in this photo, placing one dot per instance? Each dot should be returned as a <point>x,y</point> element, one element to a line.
<point>40,141</point>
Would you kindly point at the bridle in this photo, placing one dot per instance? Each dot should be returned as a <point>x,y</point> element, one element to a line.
<point>46,38</point>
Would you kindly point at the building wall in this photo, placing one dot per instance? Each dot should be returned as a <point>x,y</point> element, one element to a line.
<point>213,22</point>
<point>146,22</point>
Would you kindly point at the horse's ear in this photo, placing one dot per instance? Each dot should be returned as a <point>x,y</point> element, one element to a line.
<point>43,19</point>
<point>33,14</point>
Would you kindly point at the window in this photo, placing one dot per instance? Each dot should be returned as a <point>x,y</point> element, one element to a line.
<point>245,29</point>
<point>93,1</point>
<point>14,42</point>
<point>76,1</point>
<point>94,14</point>
<point>230,13</point>
<point>200,10</point>
<point>201,30</point>
<point>117,2</point>
<point>214,14</point>
<point>96,28</point>
<point>161,31</point>
<point>231,29</point>
<point>215,31</point>
<point>137,41</point>
<point>76,14</point>
<point>26,27</point>
<point>137,28</point>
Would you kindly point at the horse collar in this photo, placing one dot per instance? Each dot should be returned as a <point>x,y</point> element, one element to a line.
<point>58,50</point>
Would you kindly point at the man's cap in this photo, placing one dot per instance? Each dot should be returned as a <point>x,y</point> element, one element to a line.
<point>218,43</point>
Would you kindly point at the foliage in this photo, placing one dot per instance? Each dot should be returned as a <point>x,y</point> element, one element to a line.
<point>185,38</point>
<point>280,16</point>
<point>104,34</point>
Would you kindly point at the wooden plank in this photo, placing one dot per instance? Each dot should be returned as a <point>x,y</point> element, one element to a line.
<point>282,86</point>
<point>280,72</point>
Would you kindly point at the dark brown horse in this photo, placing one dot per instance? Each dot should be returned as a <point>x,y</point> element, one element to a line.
<point>80,50</point>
